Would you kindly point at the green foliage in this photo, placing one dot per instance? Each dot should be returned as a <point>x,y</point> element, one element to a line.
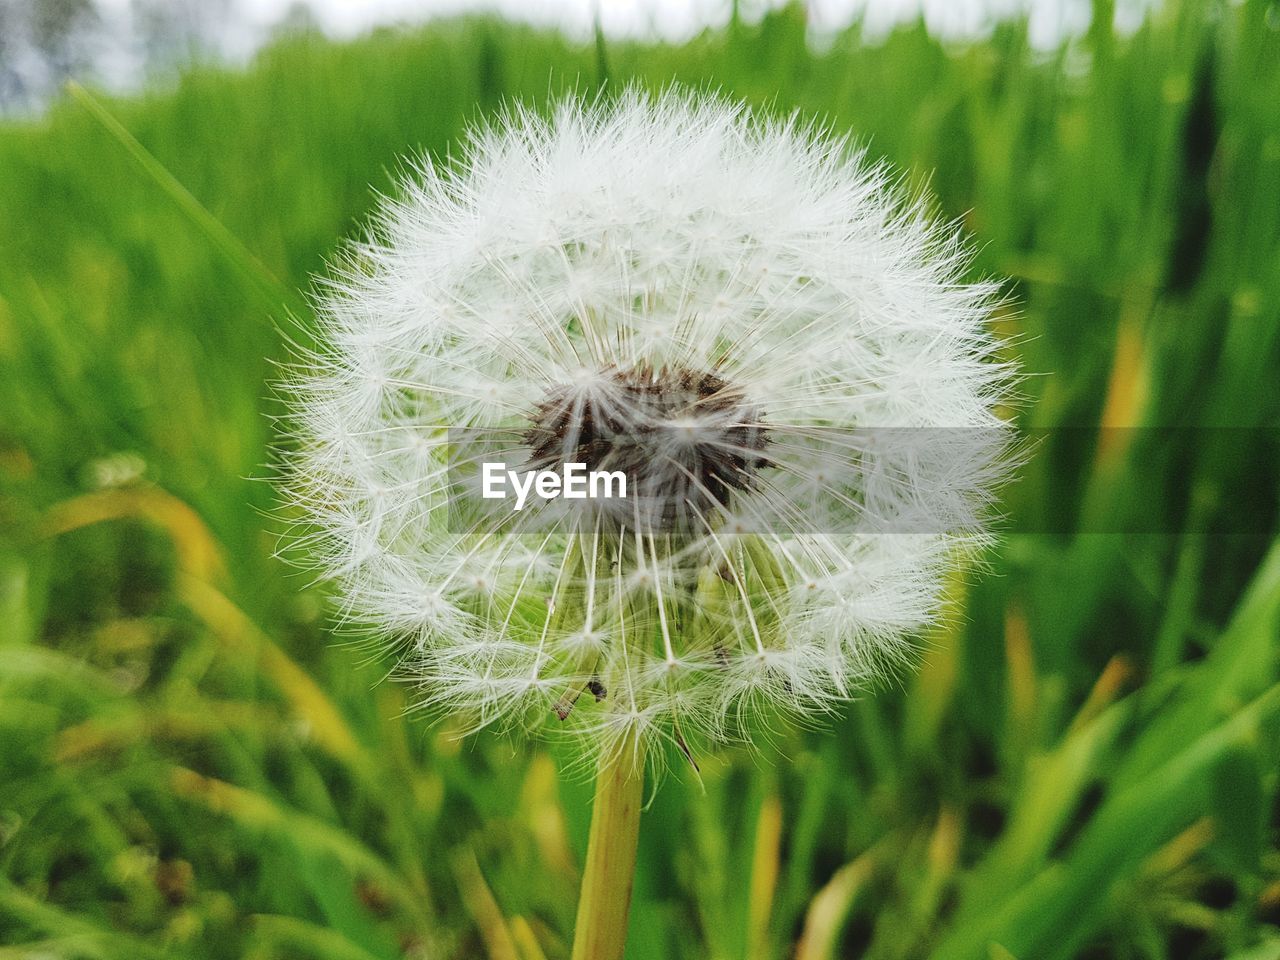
<point>1085,766</point>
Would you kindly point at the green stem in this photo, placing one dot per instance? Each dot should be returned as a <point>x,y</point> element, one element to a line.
<point>601,929</point>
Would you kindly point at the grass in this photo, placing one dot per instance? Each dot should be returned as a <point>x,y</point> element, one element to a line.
<point>1085,765</point>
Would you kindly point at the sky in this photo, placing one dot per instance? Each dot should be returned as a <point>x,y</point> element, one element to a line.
<point>677,19</point>
<point>673,19</point>
<point>122,58</point>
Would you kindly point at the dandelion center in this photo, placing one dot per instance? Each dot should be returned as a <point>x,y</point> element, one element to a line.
<point>687,440</point>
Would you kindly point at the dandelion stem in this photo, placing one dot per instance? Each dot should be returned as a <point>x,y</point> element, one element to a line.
<point>601,929</point>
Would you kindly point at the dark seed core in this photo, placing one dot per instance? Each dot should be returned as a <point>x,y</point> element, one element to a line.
<point>687,440</point>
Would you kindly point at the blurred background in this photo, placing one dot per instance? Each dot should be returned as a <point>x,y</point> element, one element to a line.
<point>192,765</point>
<point>123,44</point>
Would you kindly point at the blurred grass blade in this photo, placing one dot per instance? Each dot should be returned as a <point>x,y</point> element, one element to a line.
<point>198,552</point>
<point>1264,951</point>
<point>273,293</point>
<point>602,50</point>
<point>291,935</point>
<point>1054,914</point>
<point>530,948</point>
<point>307,697</point>
<point>830,908</point>
<point>195,722</point>
<point>199,560</point>
<point>764,876</point>
<point>77,935</point>
<point>1241,664</point>
<point>259,814</point>
<point>483,907</point>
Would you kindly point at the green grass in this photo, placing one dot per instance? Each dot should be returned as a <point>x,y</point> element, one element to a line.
<point>1086,764</point>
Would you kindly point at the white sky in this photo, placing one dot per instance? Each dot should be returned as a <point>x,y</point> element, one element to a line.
<point>677,19</point>
<point>236,37</point>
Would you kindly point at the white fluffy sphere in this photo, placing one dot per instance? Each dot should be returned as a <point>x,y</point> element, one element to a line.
<point>781,343</point>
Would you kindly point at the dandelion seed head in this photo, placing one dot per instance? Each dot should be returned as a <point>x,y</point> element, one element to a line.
<point>676,287</point>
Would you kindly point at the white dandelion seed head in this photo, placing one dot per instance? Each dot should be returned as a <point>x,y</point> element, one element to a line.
<point>756,303</point>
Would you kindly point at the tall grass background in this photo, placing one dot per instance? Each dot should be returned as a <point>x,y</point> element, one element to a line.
<point>1085,766</point>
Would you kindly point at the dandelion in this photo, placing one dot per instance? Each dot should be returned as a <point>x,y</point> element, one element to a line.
<point>740,316</point>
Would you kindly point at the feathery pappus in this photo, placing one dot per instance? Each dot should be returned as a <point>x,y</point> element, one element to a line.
<point>742,317</point>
